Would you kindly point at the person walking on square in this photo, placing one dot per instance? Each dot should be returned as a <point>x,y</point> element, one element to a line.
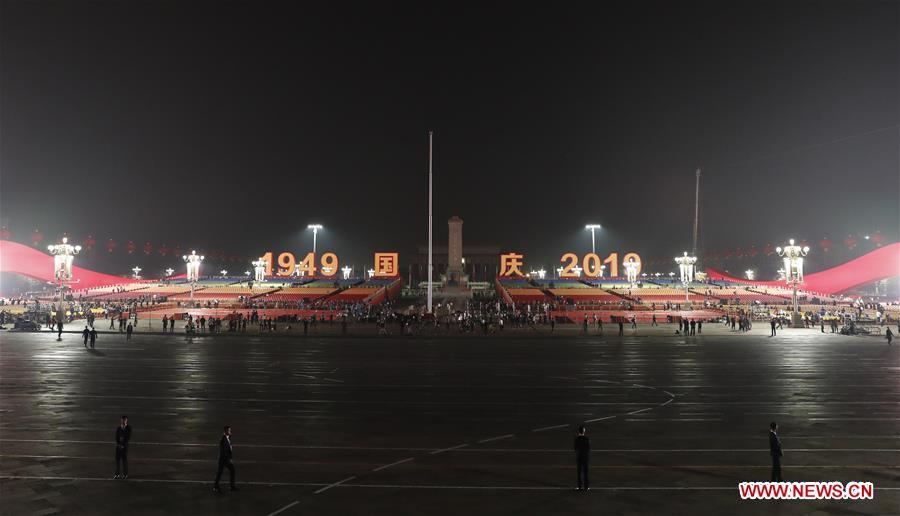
<point>582,458</point>
<point>621,327</point>
<point>93,337</point>
<point>775,451</point>
<point>123,436</point>
<point>165,322</point>
<point>128,331</point>
<point>693,326</point>
<point>700,326</point>
<point>653,323</point>
<point>226,459</point>
<point>600,325</point>
<point>889,335</point>
<point>772,325</point>
<point>59,326</point>
<point>85,334</point>
<point>552,324</point>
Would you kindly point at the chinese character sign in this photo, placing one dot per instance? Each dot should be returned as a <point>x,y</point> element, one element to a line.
<point>510,264</point>
<point>386,265</point>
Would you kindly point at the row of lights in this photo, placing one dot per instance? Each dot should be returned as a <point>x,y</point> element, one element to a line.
<point>792,255</point>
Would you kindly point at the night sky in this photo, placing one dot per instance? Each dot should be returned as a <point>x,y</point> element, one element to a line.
<point>233,125</point>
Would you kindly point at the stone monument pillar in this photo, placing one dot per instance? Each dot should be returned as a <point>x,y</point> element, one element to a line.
<point>454,251</point>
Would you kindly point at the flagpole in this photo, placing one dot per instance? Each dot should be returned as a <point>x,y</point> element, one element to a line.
<point>430,264</point>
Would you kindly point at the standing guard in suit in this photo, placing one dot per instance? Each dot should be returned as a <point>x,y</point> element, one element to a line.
<point>775,451</point>
<point>582,458</point>
<point>123,436</point>
<point>226,459</point>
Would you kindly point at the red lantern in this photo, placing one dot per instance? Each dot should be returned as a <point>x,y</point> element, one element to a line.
<point>850,242</point>
<point>89,243</point>
<point>36,238</point>
<point>163,250</point>
<point>148,248</point>
<point>110,245</point>
<point>4,233</point>
<point>753,251</point>
<point>768,249</point>
<point>130,247</point>
<point>877,239</point>
<point>825,244</point>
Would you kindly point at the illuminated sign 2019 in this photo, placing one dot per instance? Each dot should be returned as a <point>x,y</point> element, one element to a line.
<point>592,265</point>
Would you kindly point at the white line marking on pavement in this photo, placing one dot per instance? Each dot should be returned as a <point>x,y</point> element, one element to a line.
<point>489,439</point>
<point>442,450</point>
<point>334,370</point>
<point>386,466</point>
<point>333,380</point>
<point>599,419</point>
<point>286,507</point>
<point>402,486</point>
<point>157,480</point>
<point>326,488</point>
<point>549,428</point>
<point>482,450</point>
<point>639,411</point>
<point>672,419</point>
<point>670,400</point>
<point>669,393</point>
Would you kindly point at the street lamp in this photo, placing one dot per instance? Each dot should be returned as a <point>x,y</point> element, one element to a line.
<point>631,270</point>
<point>346,270</point>
<point>223,272</point>
<point>315,228</point>
<point>170,271</point>
<point>592,228</point>
<point>541,273</point>
<point>686,268</point>
<point>137,272</point>
<point>193,269</point>
<point>792,255</point>
<point>63,258</point>
<point>750,274</point>
<point>558,272</point>
<point>577,270</point>
<point>259,270</point>
<point>371,272</point>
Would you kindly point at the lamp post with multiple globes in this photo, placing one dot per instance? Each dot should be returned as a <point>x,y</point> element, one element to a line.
<point>686,268</point>
<point>792,256</point>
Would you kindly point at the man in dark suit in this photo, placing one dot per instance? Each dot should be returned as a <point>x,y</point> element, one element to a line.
<point>93,335</point>
<point>85,334</point>
<point>775,451</point>
<point>225,459</point>
<point>123,436</point>
<point>582,458</point>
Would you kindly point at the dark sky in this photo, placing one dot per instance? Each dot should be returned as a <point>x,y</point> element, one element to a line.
<point>233,125</point>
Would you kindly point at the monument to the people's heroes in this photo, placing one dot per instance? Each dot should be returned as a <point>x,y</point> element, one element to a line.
<point>454,274</point>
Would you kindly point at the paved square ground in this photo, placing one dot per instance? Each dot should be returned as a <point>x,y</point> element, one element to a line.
<point>445,425</point>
